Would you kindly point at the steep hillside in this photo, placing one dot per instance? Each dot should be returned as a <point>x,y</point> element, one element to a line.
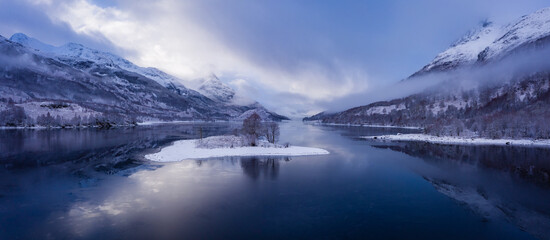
<point>75,85</point>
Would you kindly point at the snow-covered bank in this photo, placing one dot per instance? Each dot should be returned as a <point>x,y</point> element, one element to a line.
<point>36,127</point>
<point>460,140</point>
<point>148,123</point>
<point>362,125</point>
<point>226,146</point>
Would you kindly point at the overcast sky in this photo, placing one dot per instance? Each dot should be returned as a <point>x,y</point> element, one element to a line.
<point>295,57</point>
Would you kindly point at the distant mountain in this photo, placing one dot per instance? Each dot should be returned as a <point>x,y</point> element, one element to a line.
<point>214,89</point>
<point>476,96</point>
<point>319,116</point>
<point>72,84</point>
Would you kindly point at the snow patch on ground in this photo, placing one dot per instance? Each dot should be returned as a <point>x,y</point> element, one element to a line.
<point>443,106</point>
<point>383,109</point>
<point>226,146</point>
<point>460,140</point>
<point>67,112</point>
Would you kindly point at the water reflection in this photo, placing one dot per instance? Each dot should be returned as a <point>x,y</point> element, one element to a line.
<point>255,167</point>
<point>94,184</point>
<point>106,151</point>
<point>494,182</point>
<point>531,164</point>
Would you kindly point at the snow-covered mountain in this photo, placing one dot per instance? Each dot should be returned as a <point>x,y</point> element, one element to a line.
<point>465,50</point>
<point>42,84</point>
<point>211,90</point>
<point>529,30</point>
<point>216,90</point>
<point>494,82</point>
<point>74,53</point>
<point>491,41</point>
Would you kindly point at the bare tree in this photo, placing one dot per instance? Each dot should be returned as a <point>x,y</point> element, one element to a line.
<point>13,116</point>
<point>271,132</point>
<point>252,127</point>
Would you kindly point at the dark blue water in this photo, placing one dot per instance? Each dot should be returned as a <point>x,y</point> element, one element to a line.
<point>95,184</point>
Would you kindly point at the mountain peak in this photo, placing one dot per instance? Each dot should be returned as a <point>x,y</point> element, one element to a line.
<point>30,42</point>
<point>486,23</point>
<point>528,29</point>
<point>216,90</point>
<point>19,37</point>
<point>466,49</point>
<point>212,79</point>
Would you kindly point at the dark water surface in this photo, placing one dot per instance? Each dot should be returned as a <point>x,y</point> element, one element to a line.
<point>95,184</point>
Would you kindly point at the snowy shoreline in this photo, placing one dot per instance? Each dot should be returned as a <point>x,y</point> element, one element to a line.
<point>362,125</point>
<point>148,123</point>
<point>460,140</point>
<point>64,127</point>
<point>192,149</point>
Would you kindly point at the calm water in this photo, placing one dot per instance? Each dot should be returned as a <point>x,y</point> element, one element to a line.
<point>92,184</point>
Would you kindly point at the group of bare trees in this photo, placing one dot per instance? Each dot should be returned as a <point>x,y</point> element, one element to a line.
<point>13,116</point>
<point>253,129</point>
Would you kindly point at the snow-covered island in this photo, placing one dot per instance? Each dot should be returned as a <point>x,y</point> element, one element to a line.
<point>256,138</point>
<point>226,146</point>
<point>451,140</point>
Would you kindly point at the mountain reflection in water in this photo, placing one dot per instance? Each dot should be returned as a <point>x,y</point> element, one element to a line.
<point>493,181</point>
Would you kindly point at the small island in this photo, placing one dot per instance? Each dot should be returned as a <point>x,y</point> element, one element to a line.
<point>256,138</point>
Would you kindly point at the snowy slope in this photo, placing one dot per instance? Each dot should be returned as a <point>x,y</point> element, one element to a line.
<point>467,49</point>
<point>492,41</point>
<point>528,29</point>
<point>73,52</point>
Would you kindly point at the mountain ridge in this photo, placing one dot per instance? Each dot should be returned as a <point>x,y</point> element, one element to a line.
<point>63,85</point>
